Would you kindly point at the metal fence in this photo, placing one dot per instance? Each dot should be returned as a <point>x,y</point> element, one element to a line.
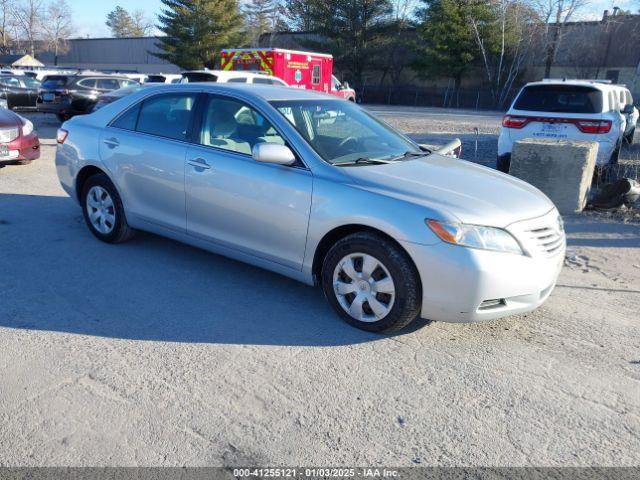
<point>478,99</point>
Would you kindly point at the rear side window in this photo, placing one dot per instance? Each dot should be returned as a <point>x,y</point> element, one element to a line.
<point>54,82</point>
<point>108,84</point>
<point>128,120</point>
<point>264,81</point>
<point>560,98</point>
<point>166,115</point>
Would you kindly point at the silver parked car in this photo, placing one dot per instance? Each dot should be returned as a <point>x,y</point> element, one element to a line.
<point>315,188</point>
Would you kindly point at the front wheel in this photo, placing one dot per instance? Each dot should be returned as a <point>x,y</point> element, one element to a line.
<point>103,211</point>
<point>372,283</point>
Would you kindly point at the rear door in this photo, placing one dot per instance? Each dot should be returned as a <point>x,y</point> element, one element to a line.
<point>553,111</point>
<point>145,149</point>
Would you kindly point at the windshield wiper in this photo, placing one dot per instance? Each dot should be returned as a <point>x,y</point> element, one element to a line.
<point>406,155</point>
<point>364,160</point>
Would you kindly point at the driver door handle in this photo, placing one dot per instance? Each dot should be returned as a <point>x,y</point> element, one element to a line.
<point>199,163</point>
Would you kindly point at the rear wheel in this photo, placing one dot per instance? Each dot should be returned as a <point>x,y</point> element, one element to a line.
<point>615,156</point>
<point>629,137</point>
<point>103,210</point>
<point>372,283</point>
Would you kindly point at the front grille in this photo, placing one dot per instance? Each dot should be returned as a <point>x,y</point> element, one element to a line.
<point>546,240</point>
<point>8,134</point>
<point>541,237</point>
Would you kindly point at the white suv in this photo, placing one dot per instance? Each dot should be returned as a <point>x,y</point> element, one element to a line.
<point>566,109</point>
<point>231,76</point>
<point>631,116</point>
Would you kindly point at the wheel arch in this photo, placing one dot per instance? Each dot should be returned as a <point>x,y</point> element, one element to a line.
<point>337,233</point>
<point>82,176</point>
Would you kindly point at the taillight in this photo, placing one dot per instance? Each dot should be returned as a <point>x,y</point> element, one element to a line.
<point>594,126</point>
<point>510,121</point>
<point>62,135</point>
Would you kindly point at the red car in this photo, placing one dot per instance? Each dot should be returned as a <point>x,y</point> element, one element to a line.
<point>19,143</point>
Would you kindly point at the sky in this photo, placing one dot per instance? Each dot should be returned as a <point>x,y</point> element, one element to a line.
<point>89,15</point>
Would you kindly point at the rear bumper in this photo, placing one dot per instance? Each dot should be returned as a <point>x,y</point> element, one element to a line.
<point>459,282</point>
<point>50,107</point>
<point>23,148</point>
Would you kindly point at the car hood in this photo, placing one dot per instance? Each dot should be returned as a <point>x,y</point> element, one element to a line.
<point>470,193</point>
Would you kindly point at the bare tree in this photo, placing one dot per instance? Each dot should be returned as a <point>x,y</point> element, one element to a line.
<point>141,26</point>
<point>28,16</point>
<point>555,14</point>
<point>504,32</point>
<point>58,28</point>
<point>6,23</point>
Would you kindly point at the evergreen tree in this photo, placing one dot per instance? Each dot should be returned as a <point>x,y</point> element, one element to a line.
<point>447,45</point>
<point>196,30</point>
<point>119,22</point>
<point>354,33</point>
<point>302,15</point>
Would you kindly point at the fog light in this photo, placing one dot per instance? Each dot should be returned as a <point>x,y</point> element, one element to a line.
<point>491,304</point>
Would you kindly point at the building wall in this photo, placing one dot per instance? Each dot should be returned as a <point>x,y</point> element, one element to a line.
<point>124,54</point>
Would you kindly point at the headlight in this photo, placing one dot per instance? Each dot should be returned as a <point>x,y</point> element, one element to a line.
<point>476,236</point>
<point>3,103</point>
<point>27,128</point>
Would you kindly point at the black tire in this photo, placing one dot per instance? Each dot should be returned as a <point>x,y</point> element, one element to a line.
<point>503,163</point>
<point>121,231</point>
<point>615,156</point>
<point>629,137</point>
<point>408,290</point>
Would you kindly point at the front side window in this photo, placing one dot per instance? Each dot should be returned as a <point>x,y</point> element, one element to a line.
<point>342,132</point>
<point>231,125</point>
<point>560,98</point>
<point>166,115</point>
<point>88,83</point>
<point>263,81</point>
<point>237,80</point>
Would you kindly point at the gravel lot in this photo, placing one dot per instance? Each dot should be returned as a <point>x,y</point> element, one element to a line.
<point>156,353</point>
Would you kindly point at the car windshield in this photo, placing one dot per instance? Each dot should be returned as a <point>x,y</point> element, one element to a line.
<point>54,82</point>
<point>560,98</point>
<point>343,133</point>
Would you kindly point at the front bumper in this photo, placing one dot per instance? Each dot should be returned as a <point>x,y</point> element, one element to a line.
<point>461,284</point>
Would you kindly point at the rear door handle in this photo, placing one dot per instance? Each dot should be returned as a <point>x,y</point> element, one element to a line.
<point>199,163</point>
<point>112,142</point>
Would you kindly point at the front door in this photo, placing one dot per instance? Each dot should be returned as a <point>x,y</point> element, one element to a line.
<point>256,208</point>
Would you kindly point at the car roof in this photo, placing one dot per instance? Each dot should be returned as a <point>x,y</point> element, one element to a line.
<point>266,92</point>
<point>598,85</point>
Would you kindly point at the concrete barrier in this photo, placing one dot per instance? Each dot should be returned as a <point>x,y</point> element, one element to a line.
<point>562,169</point>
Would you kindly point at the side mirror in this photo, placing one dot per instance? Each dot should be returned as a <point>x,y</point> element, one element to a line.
<point>628,109</point>
<point>346,86</point>
<point>273,153</point>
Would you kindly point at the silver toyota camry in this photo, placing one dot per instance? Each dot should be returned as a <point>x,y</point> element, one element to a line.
<point>317,189</point>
